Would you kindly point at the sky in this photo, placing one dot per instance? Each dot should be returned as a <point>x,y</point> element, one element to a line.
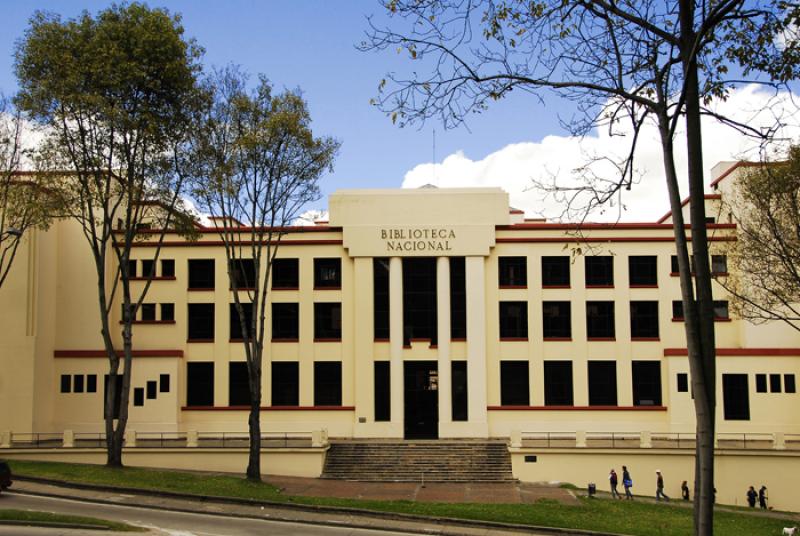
<point>311,45</point>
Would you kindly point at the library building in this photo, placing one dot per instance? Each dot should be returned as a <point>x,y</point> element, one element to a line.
<point>433,321</point>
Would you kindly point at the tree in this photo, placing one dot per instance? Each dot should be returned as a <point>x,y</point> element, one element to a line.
<point>117,94</point>
<point>765,259</point>
<point>259,165</point>
<point>620,61</point>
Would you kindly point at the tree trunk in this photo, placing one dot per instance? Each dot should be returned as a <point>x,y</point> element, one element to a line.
<point>254,419</point>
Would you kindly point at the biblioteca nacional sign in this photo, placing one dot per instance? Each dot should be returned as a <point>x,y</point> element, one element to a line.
<point>431,239</point>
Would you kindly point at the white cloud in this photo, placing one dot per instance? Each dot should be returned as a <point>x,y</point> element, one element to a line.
<point>310,217</point>
<point>516,166</point>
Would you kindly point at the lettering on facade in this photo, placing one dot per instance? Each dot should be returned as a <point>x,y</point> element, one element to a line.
<point>424,239</point>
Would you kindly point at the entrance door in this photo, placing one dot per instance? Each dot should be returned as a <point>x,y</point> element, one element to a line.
<point>421,389</point>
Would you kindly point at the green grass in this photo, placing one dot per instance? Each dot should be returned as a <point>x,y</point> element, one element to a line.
<point>35,518</point>
<point>624,517</point>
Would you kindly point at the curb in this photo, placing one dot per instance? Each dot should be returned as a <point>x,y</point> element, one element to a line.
<point>52,525</point>
<point>444,523</point>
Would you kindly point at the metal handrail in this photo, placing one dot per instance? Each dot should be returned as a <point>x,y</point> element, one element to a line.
<point>37,439</point>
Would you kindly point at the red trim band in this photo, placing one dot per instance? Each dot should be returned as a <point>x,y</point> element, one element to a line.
<point>576,408</point>
<point>102,353</point>
<point>733,352</point>
<point>269,408</point>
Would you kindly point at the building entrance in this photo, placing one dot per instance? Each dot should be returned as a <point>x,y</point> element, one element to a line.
<point>421,390</point>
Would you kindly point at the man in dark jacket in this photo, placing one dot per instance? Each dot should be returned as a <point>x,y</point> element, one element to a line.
<point>660,486</point>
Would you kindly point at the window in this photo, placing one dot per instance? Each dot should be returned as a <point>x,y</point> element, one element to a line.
<point>383,403</point>
<point>201,274</point>
<point>285,274</point>
<point>167,312</point>
<point>117,402</point>
<point>774,383</point>
<point>285,321</point>
<point>236,333</point>
<point>420,311</point>
<point>285,383</point>
<point>131,268</point>
<point>789,385</point>
<point>243,274</point>
<point>91,383</point>
<point>138,396</point>
<point>602,383</point>
<point>152,390</point>
<point>512,271</point>
<point>683,382</point>
<point>644,319</point>
<point>555,271</point>
<point>148,312</point>
<point>514,320</point>
<point>761,383</point>
<point>459,390</point>
<point>163,383</point>
<point>380,298</point>
<point>327,383</point>
<point>643,270</point>
<point>600,271</point>
<point>558,383</point>
<point>238,384</point>
<point>66,383</point>
<point>77,383</point>
<point>458,298</point>
<point>328,321</point>
<point>148,268</point>
<point>327,273</point>
<point>721,309</point>
<point>199,384</point>
<point>557,323</point>
<point>674,264</point>
<point>600,319</point>
<point>735,397</point>
<point>201,322</point>
<point>167,268</point>
<point>514,388</point>
<point>646,383</point>
<point>719,264</point>
<point>677,309</point>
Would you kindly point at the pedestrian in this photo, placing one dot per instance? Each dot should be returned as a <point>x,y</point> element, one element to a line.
<point>627,483</point>
<point>660,487</point>
<point>751,497</point>
<point>762,497</point>
<point>613,480</point>
<point>685,491</point>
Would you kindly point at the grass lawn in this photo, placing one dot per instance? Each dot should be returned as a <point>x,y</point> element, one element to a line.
<point>47,517</point>
<point>624,517</point>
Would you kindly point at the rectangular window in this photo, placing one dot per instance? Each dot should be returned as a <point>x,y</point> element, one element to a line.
<point>458,298</point>
<point>77,383</point>
<point>674,264</point>
<point>719,264</point>
<point>644,319</point>
<point>735,397</point>
<point>238,385</point>
<point>557,322</point>
<point>555,271</point>
<point>66,383</point>
<point>148,268</point>
<point>138,396</point>
<point>602,383</point>
<point>600,319</point>
<point>327,383</point>
<point>201,322</point>
<point>774,383</point>
<point>514,387</point>
<point>380,298</point>
<point>285,383</point>
<point>167,312</point>
<point>199,384</point>
<point>789,385</point>
<point>646,377</point>
<point>600,271</point>
<point>514,320</point>
<point>328,273</point>
<point>721,309</point>
<point>643,270</point>
<point>132,268</point>
<point>558,383</point>
<point>677,309</point>
<point>236,333</point>
<point>459,390</point>
<point>163,383</point>
<point>243,273</point>
<point>683,382</point>
<point>285,321</point>
<point>285,274</point>
<point>383,403</point>
<point>148,312</point>
<point>91,383</point>
<point>512,271</point>
<point>328,321</point>
<point>167,267</point>
<point>152,390</point>
<point>761,383</point>
<point>201,274</point>
<point>420,311</point>
<point>117,402</point>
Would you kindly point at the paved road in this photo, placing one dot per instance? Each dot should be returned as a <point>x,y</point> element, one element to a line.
<point>167,523</point>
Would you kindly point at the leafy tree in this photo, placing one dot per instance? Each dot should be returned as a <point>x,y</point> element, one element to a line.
<point>259,164</point>
<point>118,95</point>
<point>622,62</point>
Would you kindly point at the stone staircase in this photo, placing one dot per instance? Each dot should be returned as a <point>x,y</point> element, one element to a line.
<point>418,461</point>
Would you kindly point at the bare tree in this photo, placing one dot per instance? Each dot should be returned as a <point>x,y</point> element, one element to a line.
<point>620,62</point>
<point>259,166</point>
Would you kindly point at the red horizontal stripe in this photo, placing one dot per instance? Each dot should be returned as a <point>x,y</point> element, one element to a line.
<point>220,243</point>
<point>544,226</point>
<point>578,240</point>
<point>269,408</point>
<point>740,352</point>
<point>576,408</point>
<point>102,353</point>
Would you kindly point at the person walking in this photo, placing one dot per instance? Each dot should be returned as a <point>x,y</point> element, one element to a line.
<point>762,497</point>
<point>660,487</point>
<point>613,479</point>
<point>627,483</point>
<point>685,491</point>
<point>751,497</point>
